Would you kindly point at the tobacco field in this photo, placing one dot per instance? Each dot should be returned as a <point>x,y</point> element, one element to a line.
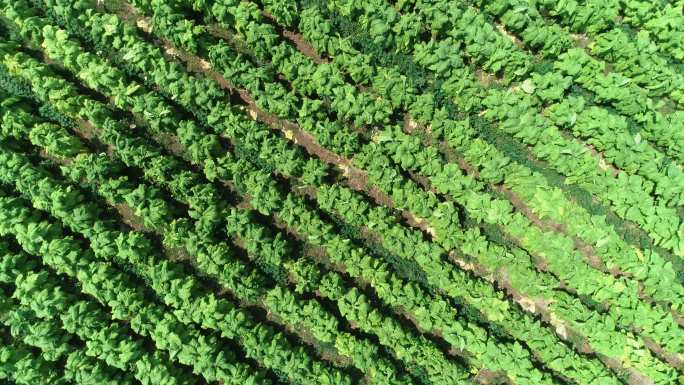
<point>338,192</point>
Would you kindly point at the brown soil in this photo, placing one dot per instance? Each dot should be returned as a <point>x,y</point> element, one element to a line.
<point>581,39</point>
<point>170,143</point>
<point>502,29</point>
<point>55,159</point>
<point>487,377</point>
<point>486,79</point>
<point>298,40</point>
<point>679,318</point>
<point>674,360</point>
<point>86,129</point>
<point>221,32</point>
<point>303,46</point>
<point>129,217</point>
<point>177,254</point>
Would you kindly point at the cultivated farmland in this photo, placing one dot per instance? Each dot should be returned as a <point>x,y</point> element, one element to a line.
<point>390,192</point>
